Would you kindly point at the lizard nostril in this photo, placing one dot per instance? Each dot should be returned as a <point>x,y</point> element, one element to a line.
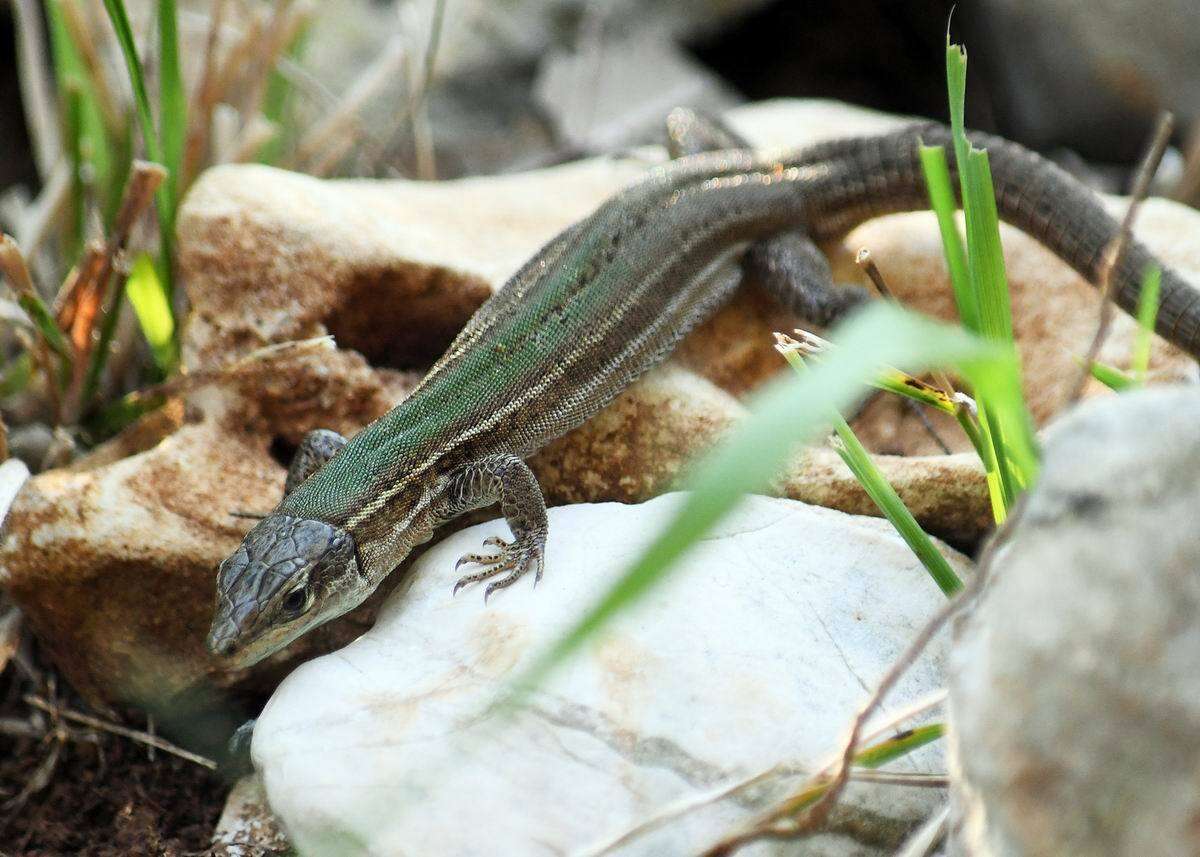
<point>221,646</point>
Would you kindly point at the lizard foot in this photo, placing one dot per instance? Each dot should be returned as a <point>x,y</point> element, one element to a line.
<point>507,566</point>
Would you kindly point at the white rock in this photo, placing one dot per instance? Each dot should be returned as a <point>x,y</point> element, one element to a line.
<point>1075,693</point>
<point>756,652</point>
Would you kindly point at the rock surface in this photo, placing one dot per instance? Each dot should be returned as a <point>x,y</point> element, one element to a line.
<point>1075,697</point>
<point>756,652</point>
<point>392,269</point>
<point>246,827</point>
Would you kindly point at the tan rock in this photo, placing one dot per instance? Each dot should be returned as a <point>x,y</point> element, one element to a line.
<point>114,559</point>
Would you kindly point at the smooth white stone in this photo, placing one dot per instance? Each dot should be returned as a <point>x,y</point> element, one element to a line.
<point>756,652</point>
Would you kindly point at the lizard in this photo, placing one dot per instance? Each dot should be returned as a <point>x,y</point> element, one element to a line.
<point>596,307</point>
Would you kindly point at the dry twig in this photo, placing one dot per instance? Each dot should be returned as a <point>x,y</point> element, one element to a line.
<point>778,824</point>
<point>418,106</point>
<point>1115,251</point>
<point>116,729</point>
<point>82,295</point>
<point>332,136</point>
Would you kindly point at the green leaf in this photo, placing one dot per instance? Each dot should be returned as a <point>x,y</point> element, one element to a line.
<point>786,412</point>
<point>141,101</point>
<point>1147,313</point>
<point>172,98</point>
<point>1005,437</point>
<point>153,310</point>
<point>985,255</point>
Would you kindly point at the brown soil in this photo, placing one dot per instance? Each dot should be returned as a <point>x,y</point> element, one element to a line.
<point>104,796</point>
<point>106,800</point>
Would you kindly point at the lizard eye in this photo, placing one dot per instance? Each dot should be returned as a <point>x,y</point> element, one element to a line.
<point>296,600</point>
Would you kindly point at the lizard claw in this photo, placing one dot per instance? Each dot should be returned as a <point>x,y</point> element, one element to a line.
<point>514,559</point>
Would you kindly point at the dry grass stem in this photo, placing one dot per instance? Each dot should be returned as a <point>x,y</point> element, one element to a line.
<point>83,36</point>
<point>1188,189</point>
<point>926,837</point>
<point>1115,251</point>
<point>203,99</point>
<point>864,261</point>
<point>777,824</point>
<point>422,132</point>
<point>37,88</point>
<point>47,208</point>
<point>116,729</point>
<point>333,135</point>
<point>726,790</point>
<point>12,265</point>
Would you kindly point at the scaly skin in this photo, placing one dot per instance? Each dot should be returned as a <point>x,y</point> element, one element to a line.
<point>599,305</point>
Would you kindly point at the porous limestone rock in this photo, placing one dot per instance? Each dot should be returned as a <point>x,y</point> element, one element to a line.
<point>1075,697</point>
<point>755,653</point>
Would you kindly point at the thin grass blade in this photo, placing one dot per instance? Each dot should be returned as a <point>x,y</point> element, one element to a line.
<point>1147,314</point>
<point>172,97</point>
<point>1112,377</point>
<point>96,149</point>
<point>942,200</point>
<point>154,151</point>
<point>888,501</point>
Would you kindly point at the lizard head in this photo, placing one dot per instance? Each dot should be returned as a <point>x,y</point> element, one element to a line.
<point>289,575</point>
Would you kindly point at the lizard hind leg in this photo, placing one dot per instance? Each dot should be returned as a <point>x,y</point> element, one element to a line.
<point>506,478</point>
<point>789,266</point>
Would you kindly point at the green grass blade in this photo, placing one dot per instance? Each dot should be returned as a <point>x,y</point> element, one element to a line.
<point>141,101</point>
<point>166,201</point>
<point>108,329</point>
<point>898,746</point>
<point>95,146</point>
<point>1147,313</point>
<point>875,756</point>
<point>16,375</point>
<point>172,97</point>
<point>885,497</point>
<point>956,84</point>
<point>77,222</point>
<point>790,410</point>
<point>153,310</point>
<point>44,322</point>
<point>1112,377</point>
<point>985,255</point>
<point>942,200</point>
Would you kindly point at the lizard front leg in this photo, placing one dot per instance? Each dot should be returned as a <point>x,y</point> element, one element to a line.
<point>318,446</point>
<point>506,478</point>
